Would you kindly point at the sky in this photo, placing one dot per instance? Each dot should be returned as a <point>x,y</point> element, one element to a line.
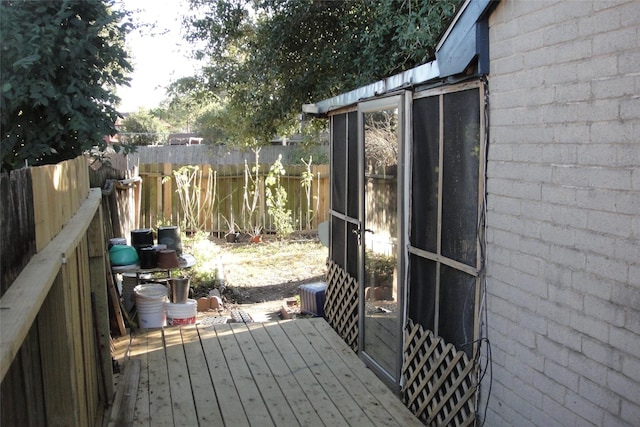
<point>159,56</point>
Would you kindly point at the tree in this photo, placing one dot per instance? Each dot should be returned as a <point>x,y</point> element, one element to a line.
<point>61,62</point>
<point>186,103</point>
<point>143,128</point>
<point>271,56</point>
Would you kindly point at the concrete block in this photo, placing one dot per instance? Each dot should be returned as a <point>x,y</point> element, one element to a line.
<point>628,250</point>
<point>625,341</point>
<point>614,41</point>
<point>623,385</point>
<point>607,267</point>
<point>568,257</point>
<point>629,63</point>
<point>535,247</point>
<point>589,327</point>
<point>602,353</point>
<point>604,310</point>
<point>558,341</point>
<point>599,395</point>
<point>626,295</point>
<point>537,56</point>
<point>575,50</point>
<point>590,284</point>
<point>613,87</point>
<point>563,150</point>
<point>558,411</point>
<point>596,154</point>
<point>530,357</point>
<point>504,239</point>
<point>628,156</point>
<point>549,387</point>
<point>596,199</point>
<point>557,234</point>
<point>521,336</point>
<point>613,131</point>
<point>629,413</point>
<point>507,205</point>
<point>568,215</point>
<point>584,408</point>
<point>587,368</point>
<point>552,193</point>
<point>526,263</point>
<point>562,112</point>
<point>570,175</point>
<point>557,278</point>
<point>526,190</point>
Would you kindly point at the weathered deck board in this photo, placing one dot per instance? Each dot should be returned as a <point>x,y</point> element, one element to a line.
<point>376,413</point>
<point>160,408</point>
<point>230,406</point>
<point>252,401</point>
<point>182,401</point>
<point>138,350</point>
<point>290,373</point>
<point>352,413</point>
<point>384,396</point>
<point>204,395</point>
<point>263,379</point>
<point>295,395</point>
<point>314,392</point>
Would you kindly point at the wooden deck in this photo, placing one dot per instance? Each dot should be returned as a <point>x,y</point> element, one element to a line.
<point>288,373</point>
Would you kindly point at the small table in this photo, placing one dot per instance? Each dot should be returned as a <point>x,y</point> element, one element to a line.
<point>185,261</point>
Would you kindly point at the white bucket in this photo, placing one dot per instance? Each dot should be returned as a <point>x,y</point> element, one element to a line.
<point>150,300</point>
<point>129,282</point>
<point>181,314</point>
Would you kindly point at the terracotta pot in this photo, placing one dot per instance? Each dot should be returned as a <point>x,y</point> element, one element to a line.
<point>168,259</point>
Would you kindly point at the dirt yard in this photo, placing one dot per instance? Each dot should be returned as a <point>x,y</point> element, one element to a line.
<point>262,278</point>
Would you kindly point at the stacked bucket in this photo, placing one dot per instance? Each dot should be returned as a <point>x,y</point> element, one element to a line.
<point>181,310</point>
<point>154,308</point>
<point>150,300</point>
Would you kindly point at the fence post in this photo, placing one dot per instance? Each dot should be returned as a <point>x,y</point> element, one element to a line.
<point>98,272</point>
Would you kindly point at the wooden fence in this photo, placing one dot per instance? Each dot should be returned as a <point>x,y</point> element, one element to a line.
<point>55,361</point>
<point>222,195</point>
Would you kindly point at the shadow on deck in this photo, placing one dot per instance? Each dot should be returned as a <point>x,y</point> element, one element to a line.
<point>288,373</point>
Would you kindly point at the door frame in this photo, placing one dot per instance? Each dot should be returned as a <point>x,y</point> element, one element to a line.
<point>401,101</point>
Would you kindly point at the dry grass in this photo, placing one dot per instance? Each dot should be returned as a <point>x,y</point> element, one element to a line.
<point>257,272</point>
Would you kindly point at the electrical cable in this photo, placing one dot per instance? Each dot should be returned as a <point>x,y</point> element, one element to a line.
<point>484,330</point>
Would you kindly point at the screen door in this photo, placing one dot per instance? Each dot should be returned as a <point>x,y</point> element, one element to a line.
<point>381,178</point>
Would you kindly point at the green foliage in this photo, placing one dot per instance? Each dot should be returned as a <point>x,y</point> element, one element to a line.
<point>147,128</point>
<point>61,62</point>
<point>276,199</point>
<point>205,272</point>
<point>186,102</point>
<point>268,57</point>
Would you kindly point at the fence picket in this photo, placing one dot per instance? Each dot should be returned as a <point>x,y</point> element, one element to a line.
<point>222,201</point>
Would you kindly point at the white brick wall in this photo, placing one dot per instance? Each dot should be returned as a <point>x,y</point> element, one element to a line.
<point>563,221</point>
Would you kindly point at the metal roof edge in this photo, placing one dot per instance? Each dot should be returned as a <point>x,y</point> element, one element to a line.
<point>408,78</point>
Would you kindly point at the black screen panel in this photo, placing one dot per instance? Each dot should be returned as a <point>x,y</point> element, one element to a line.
<point>424,178</point>
<point>460,175</point>
<point>422,291</point>
<point>339,163</point>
